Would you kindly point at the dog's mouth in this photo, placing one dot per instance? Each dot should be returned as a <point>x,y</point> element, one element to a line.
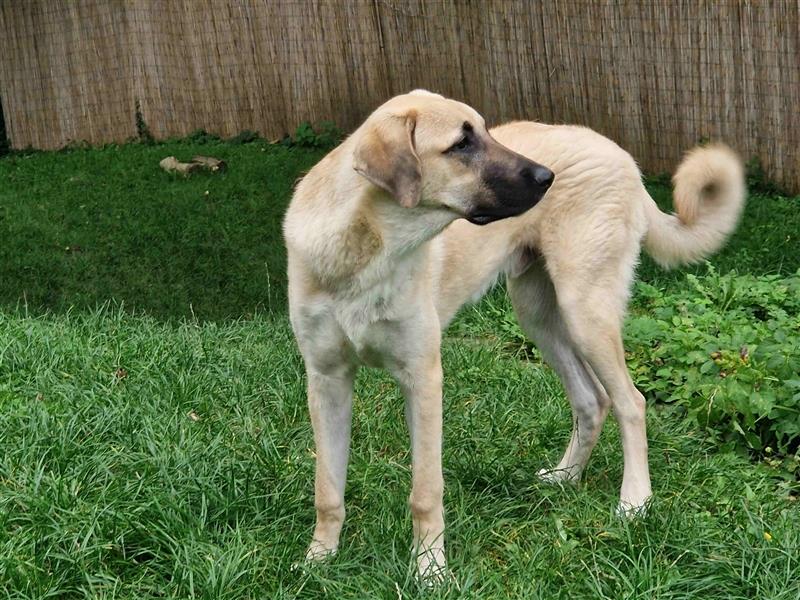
<point>481,219</point>
<point>486,216</point>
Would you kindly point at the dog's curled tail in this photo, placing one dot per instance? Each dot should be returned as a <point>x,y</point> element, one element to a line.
<point>709,193</point>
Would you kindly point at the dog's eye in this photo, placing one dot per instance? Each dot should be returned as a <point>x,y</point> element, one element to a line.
<point>461,144</point>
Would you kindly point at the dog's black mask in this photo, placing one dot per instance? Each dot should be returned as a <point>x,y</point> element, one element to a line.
<point>517,185</point>
<point>512,183</point>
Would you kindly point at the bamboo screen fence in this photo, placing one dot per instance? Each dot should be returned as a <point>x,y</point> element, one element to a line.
<point>656,76</point>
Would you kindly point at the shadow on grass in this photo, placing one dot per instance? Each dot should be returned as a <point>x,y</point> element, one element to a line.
<point>83,227</point>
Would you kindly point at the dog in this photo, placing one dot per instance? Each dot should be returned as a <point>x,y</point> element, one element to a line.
<point>419,211</point>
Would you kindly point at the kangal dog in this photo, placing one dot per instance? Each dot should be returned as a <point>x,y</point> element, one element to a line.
<point>419,211</point>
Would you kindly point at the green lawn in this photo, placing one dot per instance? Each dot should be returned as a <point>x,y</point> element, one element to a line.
<point>85,226</point>
<point>154,440</point>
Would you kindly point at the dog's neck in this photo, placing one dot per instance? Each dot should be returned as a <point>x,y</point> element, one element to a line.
<point>357,239</point>
<point>405,229</point>
<point>381,234</point>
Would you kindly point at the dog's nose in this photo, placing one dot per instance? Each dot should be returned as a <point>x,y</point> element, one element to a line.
<point>537,175</point>
<point>543,176</point>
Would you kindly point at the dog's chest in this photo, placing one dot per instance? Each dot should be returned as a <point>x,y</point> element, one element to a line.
<point>366,325</point>
<point>377,320</point>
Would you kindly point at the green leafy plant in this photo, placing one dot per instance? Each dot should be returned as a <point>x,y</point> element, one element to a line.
<point>758,181</point>
<point>727,348</point>
<point>325,135</point>
<point>244,137</point>
<point>201,136</point>
<point>142,130</point>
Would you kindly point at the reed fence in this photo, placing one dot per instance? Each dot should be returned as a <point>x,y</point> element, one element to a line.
<point>655,76</point>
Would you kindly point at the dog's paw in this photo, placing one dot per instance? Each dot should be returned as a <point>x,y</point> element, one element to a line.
<point>631,510</point>
<point>318,551</point>
<point>432,567</point>
<point>557,476</point>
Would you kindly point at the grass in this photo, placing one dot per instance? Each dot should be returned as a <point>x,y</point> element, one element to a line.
<point>154,440</point>
<point>84,226</point>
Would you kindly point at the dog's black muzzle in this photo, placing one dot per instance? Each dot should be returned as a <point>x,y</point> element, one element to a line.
<point>516,186</point>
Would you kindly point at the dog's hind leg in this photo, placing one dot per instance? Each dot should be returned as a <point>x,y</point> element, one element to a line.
<point>534,300</point>
<point>587,306</point>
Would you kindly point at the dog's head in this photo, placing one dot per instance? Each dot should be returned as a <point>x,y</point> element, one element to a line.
<point>427,150</point>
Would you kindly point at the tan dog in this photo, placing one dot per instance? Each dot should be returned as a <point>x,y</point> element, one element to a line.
<point>372,282</point>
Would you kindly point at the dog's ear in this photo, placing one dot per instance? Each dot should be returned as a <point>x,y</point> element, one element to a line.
<point>386,156</point>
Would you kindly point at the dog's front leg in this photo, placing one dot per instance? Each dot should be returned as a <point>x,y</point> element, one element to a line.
<point>330,404</point>
<point>422,388</point>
